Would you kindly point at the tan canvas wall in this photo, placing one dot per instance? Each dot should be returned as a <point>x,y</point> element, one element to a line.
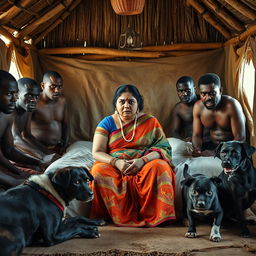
<point>89,86</point>
<point>5,56</point>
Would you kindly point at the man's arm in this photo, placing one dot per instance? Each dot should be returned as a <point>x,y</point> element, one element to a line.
<point>176,123</point>
<point>237,121</point>
<point>13,153</point>
<point>197,137</point>
<point>65,129</point>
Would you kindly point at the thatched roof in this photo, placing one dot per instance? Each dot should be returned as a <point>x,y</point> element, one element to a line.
<point>76,23</point>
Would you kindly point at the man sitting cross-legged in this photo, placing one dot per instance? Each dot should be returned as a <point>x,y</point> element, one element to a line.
<point>11,175</point>
<point>49,120</point>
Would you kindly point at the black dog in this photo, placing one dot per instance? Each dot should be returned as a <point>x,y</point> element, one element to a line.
<point>34,211</point>
<point>238,189</point>
<point>201,197</point>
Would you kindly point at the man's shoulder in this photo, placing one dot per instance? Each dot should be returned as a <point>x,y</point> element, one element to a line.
<point>229,100</point>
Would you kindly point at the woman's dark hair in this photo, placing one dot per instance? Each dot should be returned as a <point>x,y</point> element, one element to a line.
<point>133,90</point>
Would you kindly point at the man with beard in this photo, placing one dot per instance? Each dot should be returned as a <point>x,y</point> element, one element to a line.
<point>182,115</point>
<point>49,120</point>
<point>10,174</point>
<point>29,92</point>
<point>221,114</point>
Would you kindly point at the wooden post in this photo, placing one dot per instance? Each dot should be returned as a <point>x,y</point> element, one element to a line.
<point>242,8</point>
<point>46,17</point>
<point>208,17</point>
<point>234,23</point>
<point>13,11</point>
<point>57,22</point>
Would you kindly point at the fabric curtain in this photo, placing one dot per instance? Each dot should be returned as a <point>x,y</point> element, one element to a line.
<point>5,55</point>
<point>89,86</point>
<point>26,61</point>
<point>234,82</point>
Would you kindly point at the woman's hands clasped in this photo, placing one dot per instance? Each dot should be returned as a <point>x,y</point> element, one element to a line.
<point>129,167</point>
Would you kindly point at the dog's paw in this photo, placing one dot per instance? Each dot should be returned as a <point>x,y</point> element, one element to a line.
<point>245,233</point>
<point>215,238</point>
<point>191,235</point>
<point>215,234</point>
<point>99,222</point>
<point>89,232</point>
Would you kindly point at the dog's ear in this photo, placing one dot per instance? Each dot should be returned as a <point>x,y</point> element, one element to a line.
<point>248,150</point>
<point>188,178</point>
<point>185,172</point>
<point>216,180</point>
<point>88,174</point>
<point>187,182</point>
<point>61,178</point>
<point>217,150</point>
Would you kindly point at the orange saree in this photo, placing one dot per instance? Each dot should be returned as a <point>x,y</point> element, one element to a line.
<point>146,199</point>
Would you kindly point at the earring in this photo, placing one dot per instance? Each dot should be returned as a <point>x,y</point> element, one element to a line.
<point>116,111</point>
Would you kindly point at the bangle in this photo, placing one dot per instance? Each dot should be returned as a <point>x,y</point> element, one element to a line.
<point>113,161</point>
<point>145,159</point>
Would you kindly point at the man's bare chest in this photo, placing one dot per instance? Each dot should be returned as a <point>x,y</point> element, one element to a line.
<point>49,113</point>
<point>215,119</point>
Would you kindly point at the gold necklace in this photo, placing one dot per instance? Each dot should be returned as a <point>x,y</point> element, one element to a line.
<point>122,130</point>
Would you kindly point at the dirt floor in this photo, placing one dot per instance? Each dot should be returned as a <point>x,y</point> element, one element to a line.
<point>167,240</point>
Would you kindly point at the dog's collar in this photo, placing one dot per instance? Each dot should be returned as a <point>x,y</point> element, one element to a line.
<point>45,193</point>
<point>204,212</point>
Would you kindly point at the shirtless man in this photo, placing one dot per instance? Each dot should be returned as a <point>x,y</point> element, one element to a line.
<point>182,115</point>
<point>10,175</point>
<point>29,92</point>
<point>221,114</point>
<point>49,120</point>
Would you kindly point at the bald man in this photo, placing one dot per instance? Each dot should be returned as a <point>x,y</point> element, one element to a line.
<point>49,120</point>
<point>29,92</point>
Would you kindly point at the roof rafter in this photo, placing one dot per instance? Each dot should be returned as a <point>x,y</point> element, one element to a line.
<point>222,14</point>
<point>45,18</point>
<point>57,22</point>
<point>208,17</point>
<point>242,8</point>
<point>13,11</point>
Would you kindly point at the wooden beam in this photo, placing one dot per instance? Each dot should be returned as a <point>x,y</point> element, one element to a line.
<point>242,8</point>
<point>47,16</point>
<point>13,11</point>
<point>9,36</point>
<point>208,17</point>
<point>57,22</point>
<point>183,47</point>
<point>221,13</point>
<point>103,51</point>
<point>242,37</point>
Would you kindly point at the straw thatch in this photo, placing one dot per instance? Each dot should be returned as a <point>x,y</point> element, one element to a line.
<point>93,23</point>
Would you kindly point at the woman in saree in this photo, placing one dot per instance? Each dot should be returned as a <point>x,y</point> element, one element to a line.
<point>133,178</point>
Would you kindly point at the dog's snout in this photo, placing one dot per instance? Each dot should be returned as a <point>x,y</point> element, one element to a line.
<point>201,204</point>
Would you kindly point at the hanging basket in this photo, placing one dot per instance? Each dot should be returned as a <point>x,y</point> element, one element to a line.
<point>128,7</point>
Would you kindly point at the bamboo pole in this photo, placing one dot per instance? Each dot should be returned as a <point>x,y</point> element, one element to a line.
<point>57,22</point>
<point>96,57</point>
<point>46,17</point>
<point>103,51</point>
<point>234,23</point>
<point>241,37</point>
<point>183,47</point>
<point>13,11</point>
<point>208,17</point>
<point>242,8</point>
